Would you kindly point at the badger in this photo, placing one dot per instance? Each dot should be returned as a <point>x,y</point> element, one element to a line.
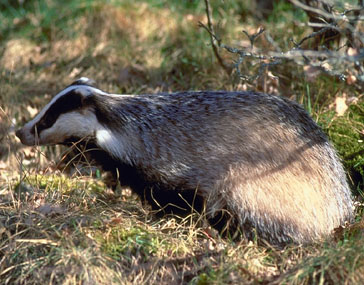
<point>253,163</point>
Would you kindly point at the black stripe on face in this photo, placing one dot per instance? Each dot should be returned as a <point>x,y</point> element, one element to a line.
<point>66,103</point>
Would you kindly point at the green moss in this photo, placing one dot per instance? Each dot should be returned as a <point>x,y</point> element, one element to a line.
<point>346,133</point>
<point>121,242</point>
<point>63,183</point>
<point>332,265</point>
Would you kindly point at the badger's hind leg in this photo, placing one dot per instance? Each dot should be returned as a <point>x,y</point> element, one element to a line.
<point>227,225</point>
<point>165,201</point>
<point>300,202</point>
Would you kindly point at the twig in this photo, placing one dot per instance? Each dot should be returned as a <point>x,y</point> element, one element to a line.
<point>324,13</point>
<point>215,41</point>
<point>253,37</point>
<point>315,34</point>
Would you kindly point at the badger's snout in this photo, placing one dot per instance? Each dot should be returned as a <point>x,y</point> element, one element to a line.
<point>20,134</point>
<point>25,137</point>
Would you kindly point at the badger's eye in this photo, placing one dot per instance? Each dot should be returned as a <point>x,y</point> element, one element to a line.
<point>46,122</point>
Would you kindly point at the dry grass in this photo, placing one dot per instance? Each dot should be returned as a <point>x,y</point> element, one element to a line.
<point>68,227</point>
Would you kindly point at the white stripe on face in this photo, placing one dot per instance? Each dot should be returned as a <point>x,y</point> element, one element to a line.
<point>27,134</point>
<point>71,124</point>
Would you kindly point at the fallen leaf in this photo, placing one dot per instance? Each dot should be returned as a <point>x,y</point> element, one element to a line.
<point>352,51</point>
<point>3,165</point>
<point>99,49</point>
<point>32,111</point>
<point>326,66</point>
<point>75,72</point>
<point>352,100</point>
<point>49,209</point>
<point>340,105</point>
<point>115,221</point>
<point>351,79</point>
<point>311,72</point>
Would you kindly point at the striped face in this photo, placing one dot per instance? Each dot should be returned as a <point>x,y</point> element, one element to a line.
<point>69,115</point>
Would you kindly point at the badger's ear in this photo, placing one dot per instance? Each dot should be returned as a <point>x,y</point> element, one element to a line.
<point>85,95</point>
<point>84,81</point>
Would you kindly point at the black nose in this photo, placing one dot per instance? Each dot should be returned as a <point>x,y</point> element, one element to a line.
<point>19,134</point>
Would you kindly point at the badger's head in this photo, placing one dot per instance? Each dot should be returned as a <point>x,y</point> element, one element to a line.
<point>69,116</point>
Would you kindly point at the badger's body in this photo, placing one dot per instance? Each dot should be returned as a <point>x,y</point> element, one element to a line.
<point>252,161</point>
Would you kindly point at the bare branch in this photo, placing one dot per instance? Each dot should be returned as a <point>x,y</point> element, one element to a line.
<point>253,37</point>
<point>315,34</point>
<point>326,14</point>
<point>215,41</point>
<point>335,62</point>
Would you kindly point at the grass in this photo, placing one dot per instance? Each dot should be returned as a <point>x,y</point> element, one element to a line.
<point>64,225</point>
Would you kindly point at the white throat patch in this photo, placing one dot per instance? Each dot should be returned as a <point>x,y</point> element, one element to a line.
<point>113,143</point>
